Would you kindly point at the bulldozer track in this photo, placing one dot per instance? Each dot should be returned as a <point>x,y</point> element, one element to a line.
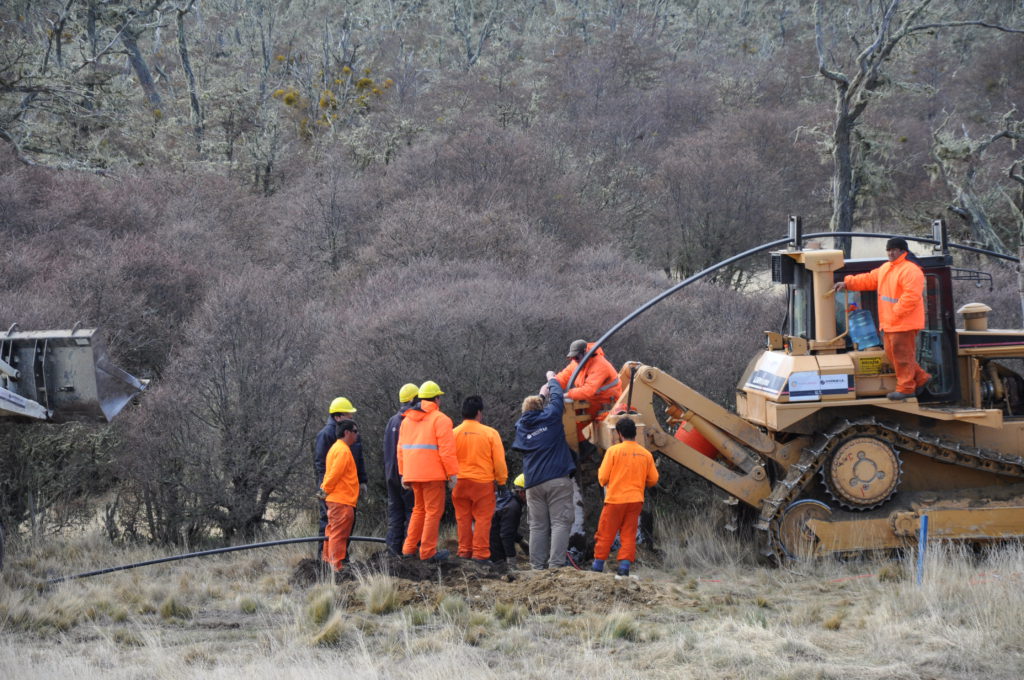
<point>901,438</point>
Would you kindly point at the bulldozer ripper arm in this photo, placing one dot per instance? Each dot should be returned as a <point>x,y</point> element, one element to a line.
<point>738,468</point>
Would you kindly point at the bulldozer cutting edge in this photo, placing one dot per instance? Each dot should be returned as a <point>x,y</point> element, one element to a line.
<point>61,375</point>
<point>827,462</point>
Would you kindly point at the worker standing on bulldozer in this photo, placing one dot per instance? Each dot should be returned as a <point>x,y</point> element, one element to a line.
<point>426,458</point>
<point>340,409</point>
<point>900,286</point>
<point>340,492</point>
<point>597,383</point>
<point>626,471</point>
<point>400,500</point>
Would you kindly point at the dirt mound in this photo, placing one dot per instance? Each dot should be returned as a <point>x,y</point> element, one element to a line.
<point>482,586</point>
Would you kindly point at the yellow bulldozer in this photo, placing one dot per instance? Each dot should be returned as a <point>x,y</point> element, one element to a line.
<point>828,464</point>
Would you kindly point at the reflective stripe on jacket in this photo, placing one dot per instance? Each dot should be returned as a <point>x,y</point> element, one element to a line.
<point>480,452</point>
<point>900,286</point>
<point>597,382</point>
<point>341,481</point>
<point>627,469</point>
<point>426,445</point>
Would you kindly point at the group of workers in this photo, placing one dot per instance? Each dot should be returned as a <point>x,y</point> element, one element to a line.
<point>424,453</point>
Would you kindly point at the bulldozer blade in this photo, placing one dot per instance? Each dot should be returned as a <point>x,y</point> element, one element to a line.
<point>67,373</point>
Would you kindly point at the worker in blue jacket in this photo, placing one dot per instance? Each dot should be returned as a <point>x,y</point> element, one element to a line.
<point>548,466</point>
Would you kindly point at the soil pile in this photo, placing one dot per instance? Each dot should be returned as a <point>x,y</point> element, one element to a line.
<point>565,590</point>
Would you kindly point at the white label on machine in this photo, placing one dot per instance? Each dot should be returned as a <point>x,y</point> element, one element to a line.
<point>805,386</point>
<point>835,384</point>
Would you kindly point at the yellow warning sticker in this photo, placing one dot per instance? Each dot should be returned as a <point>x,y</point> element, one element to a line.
<point>869,365</point>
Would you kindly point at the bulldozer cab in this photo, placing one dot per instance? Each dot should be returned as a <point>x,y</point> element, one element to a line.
<point>936,344</point>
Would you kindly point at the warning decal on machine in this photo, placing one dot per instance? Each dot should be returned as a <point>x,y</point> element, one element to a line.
<point>869,365</point>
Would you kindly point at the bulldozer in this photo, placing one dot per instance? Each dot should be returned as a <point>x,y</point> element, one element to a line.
<point>826,463</point>
<point>58,376</point>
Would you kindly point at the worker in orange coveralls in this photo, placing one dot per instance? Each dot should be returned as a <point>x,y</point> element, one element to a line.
<point>481,466</point>
<point>426,458</point>
<point>597,383</point>
<point>340,489</point>
<point>900,286</point>
<point>627,469</point>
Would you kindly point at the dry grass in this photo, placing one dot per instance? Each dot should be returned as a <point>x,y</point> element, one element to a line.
<point>239,616</point>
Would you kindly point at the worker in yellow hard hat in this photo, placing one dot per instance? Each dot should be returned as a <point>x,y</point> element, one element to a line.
<point>400,501</point>
<point>426,459</point>
<point>508,512</point>
<point>341,408</point>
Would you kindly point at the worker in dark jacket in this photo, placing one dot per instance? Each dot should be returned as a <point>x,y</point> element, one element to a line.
<point>400,501</point>
<point>340,409</point>
<point>505,526</point>
<point>548,466</point>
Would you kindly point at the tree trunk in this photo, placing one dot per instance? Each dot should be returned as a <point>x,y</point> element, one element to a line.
<point>193,92</point>
<point>128,39</point>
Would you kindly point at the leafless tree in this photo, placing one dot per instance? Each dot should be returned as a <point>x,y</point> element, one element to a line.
<point>874,29</point>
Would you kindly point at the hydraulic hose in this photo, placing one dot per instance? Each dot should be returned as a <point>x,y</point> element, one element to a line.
<point>204,553</point>
<point>747,253</point>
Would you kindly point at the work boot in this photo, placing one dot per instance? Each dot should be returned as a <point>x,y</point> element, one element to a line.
<point>408,556</point>
<point>598,565</point>
<point>623,569</point>
<point>439,556</point>
<point>900,396</point>
<point>510,562</point>
<point>482,561</point>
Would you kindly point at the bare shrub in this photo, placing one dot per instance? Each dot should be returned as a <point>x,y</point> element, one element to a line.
<point>221,438</point>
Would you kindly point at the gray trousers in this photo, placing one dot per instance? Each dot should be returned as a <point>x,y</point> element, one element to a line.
<point>549,505</point>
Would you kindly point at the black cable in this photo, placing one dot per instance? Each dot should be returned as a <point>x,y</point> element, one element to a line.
<point>747,253</point>
<point>216,551</point>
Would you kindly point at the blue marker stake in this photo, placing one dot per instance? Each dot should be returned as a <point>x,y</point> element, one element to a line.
<point>922,545</point>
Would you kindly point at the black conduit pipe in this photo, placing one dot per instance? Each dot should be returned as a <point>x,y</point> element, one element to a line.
<point>747,253</point>
<point>216,551</point>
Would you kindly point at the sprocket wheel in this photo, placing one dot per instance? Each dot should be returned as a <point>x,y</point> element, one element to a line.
<point>797,541</point>
<point>863,473</point>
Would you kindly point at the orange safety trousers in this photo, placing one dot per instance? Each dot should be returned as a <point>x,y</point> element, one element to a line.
<point>620,518</point>
<point>340,519</point>
<point>426,518</point>
<point>474,503</point>
<point>901,349</point>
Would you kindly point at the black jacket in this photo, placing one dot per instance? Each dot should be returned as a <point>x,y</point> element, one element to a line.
<point>324,441</point>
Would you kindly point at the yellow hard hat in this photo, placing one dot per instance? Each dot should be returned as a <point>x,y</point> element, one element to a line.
<point>429,390</point>
<point>341,405</point>
<point>407,393</point>
<point>520,481</point>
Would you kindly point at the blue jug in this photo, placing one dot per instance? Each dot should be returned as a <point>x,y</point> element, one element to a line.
<point>862,329</point>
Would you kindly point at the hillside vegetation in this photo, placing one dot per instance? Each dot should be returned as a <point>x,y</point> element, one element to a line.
<point>268,204</point>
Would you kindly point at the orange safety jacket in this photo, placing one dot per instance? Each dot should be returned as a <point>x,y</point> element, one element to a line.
<point>480,452</point>
<point>597,383</point>
<point>341,481</point>
<point>627,469</point>
<point>900,286</point>
<point>426,445</point>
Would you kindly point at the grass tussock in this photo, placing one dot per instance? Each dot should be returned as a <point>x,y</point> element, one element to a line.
<point>173,608</point>
<point>509,614</point>
<point>335,632</point>
<point>380,594</point>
